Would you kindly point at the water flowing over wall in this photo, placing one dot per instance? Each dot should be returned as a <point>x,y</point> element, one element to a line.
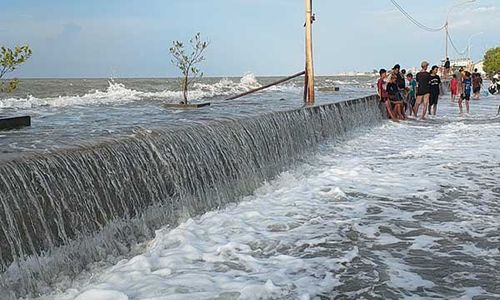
<point>61,211</point>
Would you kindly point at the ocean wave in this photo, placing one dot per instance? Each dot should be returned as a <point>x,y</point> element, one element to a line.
<point>118,93</point>
<point>114,93</point>
<point>346,82</point>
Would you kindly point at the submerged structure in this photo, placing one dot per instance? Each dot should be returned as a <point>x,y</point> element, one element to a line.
<point>63,210</point>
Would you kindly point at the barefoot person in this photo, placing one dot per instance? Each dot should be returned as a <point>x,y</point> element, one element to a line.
<point>435,89</point>
<point>384,96</point>
<point>454,88</point>
<point>400,80</point>
<point>412,89</point>
<point>477,82</point>
<point>423,90</point>
<point>460,82</point>
<point>467,90</point>
<point>393,91</point>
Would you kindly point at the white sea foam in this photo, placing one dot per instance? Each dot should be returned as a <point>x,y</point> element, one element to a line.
<point>118,93</point>
<point>115,93</point>
<point>363,218</point>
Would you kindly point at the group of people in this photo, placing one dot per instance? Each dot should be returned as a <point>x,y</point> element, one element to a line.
<point>403,94</point>
<point>461,86</point>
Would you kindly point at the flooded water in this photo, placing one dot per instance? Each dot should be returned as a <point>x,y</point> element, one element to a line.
<point>406,210</point>
<point>70,113</point>
<point>337,203</point>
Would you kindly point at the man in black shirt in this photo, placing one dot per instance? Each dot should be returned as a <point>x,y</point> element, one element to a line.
<point>400,80</point>
<point>447,66</point>
<point>423,90</point>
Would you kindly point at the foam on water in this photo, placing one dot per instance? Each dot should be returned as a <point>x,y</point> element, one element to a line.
<point>115,93</point>
<point>401,211</point>
<point>67,209</point>
<point>118,93</point>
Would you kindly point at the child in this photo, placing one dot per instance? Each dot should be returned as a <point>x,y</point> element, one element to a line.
<point>467,89</point>
<point>382,93</point>
<point>381,85</point>
<point>412,88</point>
<point>435,88</point>
<point>454,88</point>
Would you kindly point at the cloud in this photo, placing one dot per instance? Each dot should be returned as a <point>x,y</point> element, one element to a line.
<point>70,30</point>
<point>483,18</point>
<point>484,9</point>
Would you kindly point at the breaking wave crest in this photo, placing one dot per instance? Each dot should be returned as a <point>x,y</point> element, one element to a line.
<point>118,93</point>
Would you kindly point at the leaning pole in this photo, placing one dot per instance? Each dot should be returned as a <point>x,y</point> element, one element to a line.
<point>309,78</point>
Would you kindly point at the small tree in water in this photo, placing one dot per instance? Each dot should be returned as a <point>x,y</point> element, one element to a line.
<point>187,63</point>
<point>9,60</point>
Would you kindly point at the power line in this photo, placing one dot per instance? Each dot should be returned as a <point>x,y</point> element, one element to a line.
<point>414,21</point>
<point>454,47</point>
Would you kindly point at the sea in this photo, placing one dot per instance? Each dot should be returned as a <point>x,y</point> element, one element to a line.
<point>397,210</point>
<point>67,112</point>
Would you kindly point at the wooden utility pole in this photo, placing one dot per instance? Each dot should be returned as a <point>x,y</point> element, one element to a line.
<point>309,78</point>
<point>447,38</point>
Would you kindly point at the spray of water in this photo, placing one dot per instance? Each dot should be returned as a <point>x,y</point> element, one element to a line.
<point>118,93</point>
<point>67,209</point>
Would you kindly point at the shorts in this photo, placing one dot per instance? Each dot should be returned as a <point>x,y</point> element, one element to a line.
<point>465,97</point>
<point>477,90</point>
<point>433,99</point>
<point>454,92</point>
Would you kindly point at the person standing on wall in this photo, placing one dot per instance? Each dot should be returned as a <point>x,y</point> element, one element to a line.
<point>423,90</point>
<point>435,89</point>
<point>447,67</point>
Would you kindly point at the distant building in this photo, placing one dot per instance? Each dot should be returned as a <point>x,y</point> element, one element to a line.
<point>461,62</point>
<point>480,67</point>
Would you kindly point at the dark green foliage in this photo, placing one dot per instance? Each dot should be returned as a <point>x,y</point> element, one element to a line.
<point>187,62</point>
<point>492,61</point>
<point>10,59</point>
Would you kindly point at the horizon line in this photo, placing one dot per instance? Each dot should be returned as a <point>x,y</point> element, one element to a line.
<point>367,73</point>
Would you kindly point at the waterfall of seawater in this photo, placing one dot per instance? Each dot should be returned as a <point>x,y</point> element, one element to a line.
<point>62,211</point>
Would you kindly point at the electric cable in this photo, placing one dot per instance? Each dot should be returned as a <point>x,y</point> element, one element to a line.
<point>454,47</point>
<point>414,21</point>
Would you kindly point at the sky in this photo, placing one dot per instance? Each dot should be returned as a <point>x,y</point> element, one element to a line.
<point>131,38</point>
